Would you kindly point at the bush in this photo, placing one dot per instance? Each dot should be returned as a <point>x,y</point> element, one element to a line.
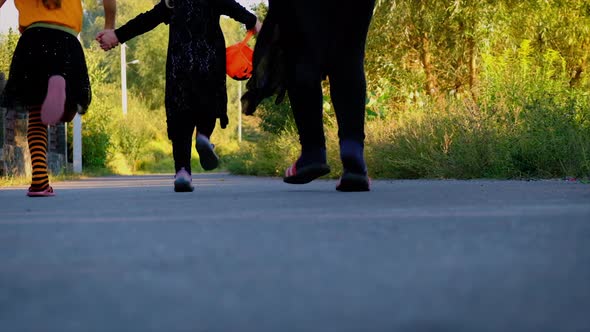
<point>121,144</point>
<point>98,127</point>
<point>133,133</point>
<point>269,156</point>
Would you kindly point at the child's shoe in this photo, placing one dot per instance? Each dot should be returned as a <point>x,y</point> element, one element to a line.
<point>183,181</point>
<point>47,192</point>
<point>209,160</point>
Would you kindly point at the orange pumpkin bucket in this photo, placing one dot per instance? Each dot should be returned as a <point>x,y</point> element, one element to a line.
<point>238,58</point>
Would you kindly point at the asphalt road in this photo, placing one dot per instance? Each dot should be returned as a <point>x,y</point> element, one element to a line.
<point>253,254</point>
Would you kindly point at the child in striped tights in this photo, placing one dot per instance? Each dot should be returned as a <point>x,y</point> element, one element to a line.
<point>48,74</point>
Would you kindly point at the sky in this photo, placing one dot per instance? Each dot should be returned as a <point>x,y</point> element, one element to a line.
<point>9,15</point>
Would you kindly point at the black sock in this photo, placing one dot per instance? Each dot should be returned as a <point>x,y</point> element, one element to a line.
<point>311,156</point>
<point>351,154</point>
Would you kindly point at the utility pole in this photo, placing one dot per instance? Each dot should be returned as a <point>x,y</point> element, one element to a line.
<point>124,79</point>
<point>77,141</point>
<point>77,157</point>
<point>124,64</point>
<point>239,111</point>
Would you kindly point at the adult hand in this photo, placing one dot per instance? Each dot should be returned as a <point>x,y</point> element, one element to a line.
<point>107,39</point>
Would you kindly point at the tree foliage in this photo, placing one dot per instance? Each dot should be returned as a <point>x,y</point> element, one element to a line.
<point>436,47</point>
<point>7,46</point>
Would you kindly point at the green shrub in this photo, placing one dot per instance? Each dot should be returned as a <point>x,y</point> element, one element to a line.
<point>269,156</point>
<point>98,127</point>
<point>133,133</point>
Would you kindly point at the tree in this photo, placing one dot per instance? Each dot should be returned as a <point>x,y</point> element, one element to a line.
<point>439,39</point>
<point>7,45</point>
<point>435,46</point>
<point>560,25</point>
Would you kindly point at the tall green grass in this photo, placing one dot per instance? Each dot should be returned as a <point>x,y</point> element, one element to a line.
<point>525,121</point>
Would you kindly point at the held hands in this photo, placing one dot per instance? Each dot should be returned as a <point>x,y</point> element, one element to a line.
<point>107,39</point>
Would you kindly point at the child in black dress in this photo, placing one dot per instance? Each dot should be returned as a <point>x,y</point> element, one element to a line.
<point>196,94</point>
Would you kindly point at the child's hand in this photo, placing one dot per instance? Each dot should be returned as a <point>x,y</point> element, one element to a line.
<point>257,27</point>
<point>107,39</point>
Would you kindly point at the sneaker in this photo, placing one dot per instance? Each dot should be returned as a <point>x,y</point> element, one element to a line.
<point>47,192</point>
<point>183,181</point>
<point>207,157</point>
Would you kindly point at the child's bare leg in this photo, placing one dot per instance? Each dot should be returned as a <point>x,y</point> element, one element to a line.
<point>52,109</point>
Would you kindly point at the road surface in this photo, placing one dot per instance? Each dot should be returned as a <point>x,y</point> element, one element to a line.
<point>254,254</point>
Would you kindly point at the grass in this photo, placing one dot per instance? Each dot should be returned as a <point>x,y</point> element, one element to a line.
<point>457,139</point>
<point>544,136</point>
<point>531,128</point>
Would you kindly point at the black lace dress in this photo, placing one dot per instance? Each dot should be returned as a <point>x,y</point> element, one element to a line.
<point>195,70</point>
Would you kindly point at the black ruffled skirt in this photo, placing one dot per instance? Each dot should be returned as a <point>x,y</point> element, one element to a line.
<point>42,53</point>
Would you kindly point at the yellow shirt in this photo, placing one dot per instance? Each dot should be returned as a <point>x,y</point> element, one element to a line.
<point>33,11</point>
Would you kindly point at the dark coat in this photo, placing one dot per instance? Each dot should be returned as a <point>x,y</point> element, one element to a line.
<point>195,67</point>
<point>269,67</point>
<point>324,35</point>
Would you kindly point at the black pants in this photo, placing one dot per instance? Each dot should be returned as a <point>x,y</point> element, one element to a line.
<point>181,133</point>
<point>321,41</point>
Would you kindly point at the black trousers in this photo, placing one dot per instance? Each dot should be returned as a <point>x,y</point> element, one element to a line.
<point>181,133</point>
<point>321,41</point>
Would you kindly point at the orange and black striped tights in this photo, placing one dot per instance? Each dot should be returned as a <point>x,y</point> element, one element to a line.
<point>37,138</point>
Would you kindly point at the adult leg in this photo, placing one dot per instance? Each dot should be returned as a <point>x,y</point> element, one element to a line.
<point>299,26</point>
<point>348,93</point>
<point>304,76</point>
<point>305,95</point>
